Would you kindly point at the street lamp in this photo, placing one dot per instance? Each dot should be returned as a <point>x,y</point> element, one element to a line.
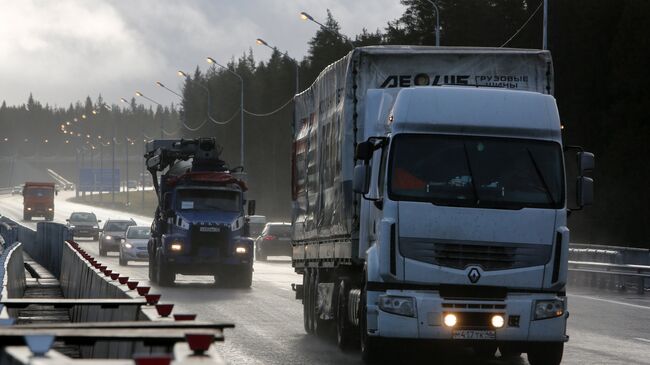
<point>137,93</point>
<point>305,16</point>
<point>168,89</point>
<point>241,106</point>
<point>437,14</point>
<point>144,150</point>
<point>207,90</point>
<point>262,42</point>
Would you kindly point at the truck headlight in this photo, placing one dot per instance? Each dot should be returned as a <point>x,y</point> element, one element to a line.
<point>240,250</point>
<point>50,209</point>
<point>108,237</point>
<point>176,246</point>
<point>403,306</point>
<point>548,308</point>
<point>29,208</point>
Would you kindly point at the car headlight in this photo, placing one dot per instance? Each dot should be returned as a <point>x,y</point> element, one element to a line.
<point>50,209</point>
<point>403,306</point>
<point>122,240</point>
<point>548,308</point>
<point>108,237</point>
<point>128,245</point>
<point>240,250</point>
<point>29,208</point>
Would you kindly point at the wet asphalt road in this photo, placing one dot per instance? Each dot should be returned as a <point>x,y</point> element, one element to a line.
<point>605,328</point>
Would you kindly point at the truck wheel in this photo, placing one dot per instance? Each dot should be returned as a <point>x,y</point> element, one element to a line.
<point>313,307</point>
<point>345,335</point>
<point>546,354</point>
<point>371,350</point>
<point>152,271</point>
<point>244,277</point>
<point>165,276</point>
<point>306,302</point>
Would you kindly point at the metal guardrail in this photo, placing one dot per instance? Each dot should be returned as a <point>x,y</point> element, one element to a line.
<point>611,267</point>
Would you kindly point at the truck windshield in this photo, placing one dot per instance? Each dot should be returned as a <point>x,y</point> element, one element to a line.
<point>207,199</point>
<point>39,192</point>
<point>476,172</point>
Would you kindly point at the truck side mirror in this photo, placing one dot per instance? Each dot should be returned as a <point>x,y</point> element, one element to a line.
<point>585,190</point>
<point>360,181</point>
<point>364,151</point>
<point>586,162</point>
<point>251,207</point>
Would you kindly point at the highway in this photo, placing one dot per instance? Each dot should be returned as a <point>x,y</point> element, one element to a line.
<point>605,328</point>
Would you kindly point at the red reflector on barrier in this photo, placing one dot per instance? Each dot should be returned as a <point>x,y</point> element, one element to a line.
<point>107,272</point>
<point>152,298</point>
<point>132,284</point>
<point>184,317</point>
<point>115,275</point>
<point>123,279</point>
<point>164,310</point>
<point>152,359</point>
<point>199,343</point>
<point>142,290</point>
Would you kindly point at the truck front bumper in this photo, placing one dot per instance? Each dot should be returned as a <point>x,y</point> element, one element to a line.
<point>198,265</point>
<point>430,309</point>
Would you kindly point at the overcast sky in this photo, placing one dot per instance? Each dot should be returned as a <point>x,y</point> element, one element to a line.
<point>64,50</point>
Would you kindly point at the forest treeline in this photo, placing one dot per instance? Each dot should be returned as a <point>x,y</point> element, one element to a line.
<point>601,79</point>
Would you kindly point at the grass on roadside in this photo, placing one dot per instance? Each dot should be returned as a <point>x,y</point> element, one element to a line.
<point>132,205</point>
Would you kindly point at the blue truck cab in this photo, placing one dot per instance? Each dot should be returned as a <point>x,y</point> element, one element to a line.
<point>200,227</point>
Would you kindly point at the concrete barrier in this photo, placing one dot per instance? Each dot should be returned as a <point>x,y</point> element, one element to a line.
<point>12,274</point>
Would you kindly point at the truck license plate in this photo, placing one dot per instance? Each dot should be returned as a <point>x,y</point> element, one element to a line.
<point>474,335</point>
<point>209,229</point>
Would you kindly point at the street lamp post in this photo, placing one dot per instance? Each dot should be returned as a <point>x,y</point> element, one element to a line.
<point>544,31</point>
<point>241,107</point>
<point>305,16</point>
<point>437,13</point>
<point>144,150</point>
<point>168,89</point>
<point>262,42</point>
<point>137,93</point>
<point>207,91</point>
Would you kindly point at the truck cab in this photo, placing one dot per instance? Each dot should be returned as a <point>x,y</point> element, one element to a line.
<point>38,200</point>
<point>199,226</point>
<point>466,235</point>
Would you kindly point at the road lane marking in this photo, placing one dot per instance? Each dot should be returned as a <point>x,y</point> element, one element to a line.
<point>642,339</point>
<point>610,301</point>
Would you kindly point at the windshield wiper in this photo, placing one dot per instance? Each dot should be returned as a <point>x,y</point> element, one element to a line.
<point>541,176</point>
<point>471,175</point>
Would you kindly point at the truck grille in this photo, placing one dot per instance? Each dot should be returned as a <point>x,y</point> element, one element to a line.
<point>488,255</point>
<point>213,243</point>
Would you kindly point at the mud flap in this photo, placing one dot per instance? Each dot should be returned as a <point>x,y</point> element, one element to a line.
<point>325,299</point>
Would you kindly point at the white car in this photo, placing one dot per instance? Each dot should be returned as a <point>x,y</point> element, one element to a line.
<point>134,246</point>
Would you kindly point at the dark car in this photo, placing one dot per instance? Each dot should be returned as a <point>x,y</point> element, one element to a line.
<point>275,240</point>
<point>83,224</point>
<point>113,233</point>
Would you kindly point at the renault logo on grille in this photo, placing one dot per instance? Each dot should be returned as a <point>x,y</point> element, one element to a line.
<point>474,276</point>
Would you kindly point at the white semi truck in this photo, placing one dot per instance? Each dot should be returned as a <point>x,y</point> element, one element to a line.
<point>430,201</point>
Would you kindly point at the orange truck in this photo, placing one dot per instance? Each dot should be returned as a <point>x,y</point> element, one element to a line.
<point>38,200</point>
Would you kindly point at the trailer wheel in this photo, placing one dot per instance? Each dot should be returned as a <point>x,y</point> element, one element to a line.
<point>152,271</point>
<point>345,335</point>
<point>306,302</point>
<point>546,354</point>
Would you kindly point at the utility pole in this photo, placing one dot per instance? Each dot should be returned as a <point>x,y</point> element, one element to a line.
<point>437,13</point>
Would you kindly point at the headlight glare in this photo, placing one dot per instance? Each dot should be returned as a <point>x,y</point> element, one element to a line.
<point>108,237</point>
<point>176,246</point>
<point>128,245</point>
<point>549,308</point>
<point>403,306</point>
<point>450,319</point>
<point>498,321</point>
<point>240,249</point>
